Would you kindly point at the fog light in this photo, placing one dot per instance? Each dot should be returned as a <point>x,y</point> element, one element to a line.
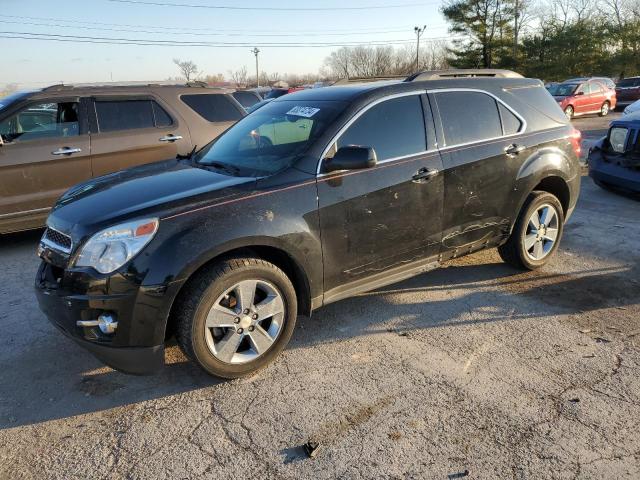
<point>107,323</point>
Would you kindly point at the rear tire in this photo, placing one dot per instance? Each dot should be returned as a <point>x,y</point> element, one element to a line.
<point>536,234</point>
<point>604,109</point>
<point>234,318</point>
<point>569,112</point>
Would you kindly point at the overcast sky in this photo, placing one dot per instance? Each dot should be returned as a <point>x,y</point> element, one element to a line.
<point>33,63</point>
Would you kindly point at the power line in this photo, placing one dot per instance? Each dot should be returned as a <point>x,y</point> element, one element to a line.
<point>75,23</point>
<point>210,34</point>
<point>176,43</point>
<point>272,9</point>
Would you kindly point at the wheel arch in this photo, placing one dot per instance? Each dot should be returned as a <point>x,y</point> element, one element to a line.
<point>269,252</point>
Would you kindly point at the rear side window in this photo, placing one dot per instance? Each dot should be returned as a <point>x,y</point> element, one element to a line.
<point>510,123</point>
<point>213,107</point>
<point>393,128</point>
<point>246,99</point>
<point>115,115</point>
<point>468,117</point>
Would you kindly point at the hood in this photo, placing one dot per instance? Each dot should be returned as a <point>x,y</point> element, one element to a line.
<point>147,189</point>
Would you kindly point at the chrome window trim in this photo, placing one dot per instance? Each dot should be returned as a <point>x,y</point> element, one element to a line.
<point>435,91</point>
<point>358,114</point>
<point>523,127</point>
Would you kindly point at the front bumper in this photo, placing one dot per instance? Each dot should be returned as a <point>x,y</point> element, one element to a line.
<point>137,346</point>
<point>614,175</point>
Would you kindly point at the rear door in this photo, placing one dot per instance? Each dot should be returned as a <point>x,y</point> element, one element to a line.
<point>389,215</point>
<point>46,150</point>
<point>133,130</point>
<point>482,154</point>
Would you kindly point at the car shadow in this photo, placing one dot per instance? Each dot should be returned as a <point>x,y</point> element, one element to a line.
<point>53,378</point>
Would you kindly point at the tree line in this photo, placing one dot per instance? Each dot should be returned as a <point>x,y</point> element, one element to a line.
<point>548,39</point>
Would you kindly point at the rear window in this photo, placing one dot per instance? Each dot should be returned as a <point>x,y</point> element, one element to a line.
<point>468,117</point>
<point>246,99</point>
<point>116,115</point>
<point>539,99</point>
<point>213,107</point>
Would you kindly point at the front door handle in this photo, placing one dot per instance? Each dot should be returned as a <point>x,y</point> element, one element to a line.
<point>66,151</point>
<point>170,138</point>
<point>514,149</point>
<point>424,175</point>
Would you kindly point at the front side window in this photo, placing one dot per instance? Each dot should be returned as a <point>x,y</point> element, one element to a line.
<point>468,117</point>
<point>393,128</point>
<point>41,120</point>
<point>213,107</point>
<point>585,88</point>
<point>270,139</point>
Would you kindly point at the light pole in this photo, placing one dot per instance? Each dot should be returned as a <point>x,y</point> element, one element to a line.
<point>418,31</point>
<point>256,51</point>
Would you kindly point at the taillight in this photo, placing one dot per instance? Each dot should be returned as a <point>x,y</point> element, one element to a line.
<point>576,141</point>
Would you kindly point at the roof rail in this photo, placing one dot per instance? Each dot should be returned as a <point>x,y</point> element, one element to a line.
<point>70,86</point>
<point>462,73</point>
<point>346,81</point>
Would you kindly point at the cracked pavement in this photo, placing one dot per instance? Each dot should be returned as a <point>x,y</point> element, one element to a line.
<point>472,367</point>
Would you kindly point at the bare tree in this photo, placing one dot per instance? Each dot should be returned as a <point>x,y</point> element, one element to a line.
<point>187,68</point>
<point>239,77</point>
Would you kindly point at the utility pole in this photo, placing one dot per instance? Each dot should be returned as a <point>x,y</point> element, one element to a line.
<point>418,31</point>
<point>256,51</point>
<point>515,31</point>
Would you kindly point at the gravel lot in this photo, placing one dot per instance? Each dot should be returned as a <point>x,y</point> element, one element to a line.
<point>473,368</point>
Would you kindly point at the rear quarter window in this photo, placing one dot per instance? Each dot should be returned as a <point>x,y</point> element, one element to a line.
<point>213,107</point>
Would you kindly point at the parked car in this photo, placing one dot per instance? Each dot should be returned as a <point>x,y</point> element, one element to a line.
<point>632,108</point>
<point>584,97</point>
<point>609,83</point>
<point>247,98</point>
<point>628,91</point>
<point>276,93</point>
<point>56,137</point>
<point>315,197</point>
<point>614,161</point>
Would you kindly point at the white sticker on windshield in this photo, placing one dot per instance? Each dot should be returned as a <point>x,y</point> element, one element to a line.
<point>306,112</point>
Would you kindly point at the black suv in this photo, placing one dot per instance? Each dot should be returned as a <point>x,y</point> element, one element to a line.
<point>315,197</point>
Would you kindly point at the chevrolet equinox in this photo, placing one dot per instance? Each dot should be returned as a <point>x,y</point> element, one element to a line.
<point>315,197</point>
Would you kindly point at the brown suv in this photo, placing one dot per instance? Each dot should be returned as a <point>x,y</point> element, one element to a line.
<point>56,137</point>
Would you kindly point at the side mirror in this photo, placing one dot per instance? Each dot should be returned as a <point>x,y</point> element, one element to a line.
<point>579,93</point>
<point>352,157</point>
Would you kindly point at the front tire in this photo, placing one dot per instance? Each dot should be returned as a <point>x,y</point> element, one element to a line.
<point>234,318</point>
<point>536,234</point>
<point>604,109</point>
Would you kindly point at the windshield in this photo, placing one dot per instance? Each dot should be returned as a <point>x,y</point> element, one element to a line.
<point>565,89</point>
<point>552,89</point>
<point>270,139</point>
<point>629,82</point>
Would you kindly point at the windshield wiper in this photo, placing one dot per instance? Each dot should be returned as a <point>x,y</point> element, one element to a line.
<point>188,155</point>
<point>235,171</point>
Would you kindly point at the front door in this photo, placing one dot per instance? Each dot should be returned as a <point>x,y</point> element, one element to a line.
<point>45,151</point>
<point>130,131</point>
<point>482,153</point>
<point>387,216</point>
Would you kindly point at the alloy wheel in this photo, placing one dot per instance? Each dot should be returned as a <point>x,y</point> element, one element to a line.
<point>541,233</point>
<point>569,112</point>
<point>245,321</point>
<point>604,110</point>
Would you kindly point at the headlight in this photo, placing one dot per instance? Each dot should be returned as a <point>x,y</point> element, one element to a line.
<point>111,248</point>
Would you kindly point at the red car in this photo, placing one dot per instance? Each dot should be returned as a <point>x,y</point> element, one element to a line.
<point>628,90</point>
<point>584,97</point>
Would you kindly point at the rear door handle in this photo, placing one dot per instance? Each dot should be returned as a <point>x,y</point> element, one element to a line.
<point>514,149</point>
<point>170,138</point>
<point>424,175</point>
<point>66,151</point>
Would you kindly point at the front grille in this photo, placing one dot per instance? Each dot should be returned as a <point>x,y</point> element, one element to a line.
<point>57,240</point>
